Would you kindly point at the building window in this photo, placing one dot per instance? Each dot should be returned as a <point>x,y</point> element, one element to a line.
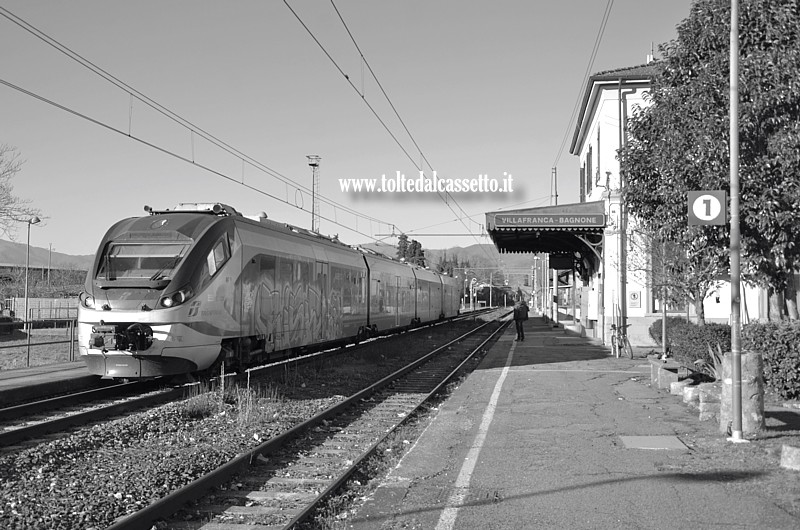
<point>589,171</point>
<point>597,177</point>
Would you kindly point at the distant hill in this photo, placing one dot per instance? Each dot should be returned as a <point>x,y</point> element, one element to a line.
<point>13,254</point>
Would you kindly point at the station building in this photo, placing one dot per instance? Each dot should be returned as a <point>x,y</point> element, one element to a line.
<point>587,241</point>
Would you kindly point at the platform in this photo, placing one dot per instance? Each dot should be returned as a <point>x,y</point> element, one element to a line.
<point>553,432</point>
<point>25,384</point>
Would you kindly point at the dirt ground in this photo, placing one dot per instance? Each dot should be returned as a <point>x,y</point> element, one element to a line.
<point>47,346</point>
<point>754,467</point>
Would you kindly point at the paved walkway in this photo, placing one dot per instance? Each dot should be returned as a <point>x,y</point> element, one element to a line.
<point>553,433</point>
<point>22,384</point>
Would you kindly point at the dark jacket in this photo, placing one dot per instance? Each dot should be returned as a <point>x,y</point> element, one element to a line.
<point>521,311</point>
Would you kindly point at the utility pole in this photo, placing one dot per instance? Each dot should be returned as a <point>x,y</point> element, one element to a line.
<point>49,261</point>
<point>554,185</point>
<point>555,271</point>
<point>735,244</point>
<point>313,161</point>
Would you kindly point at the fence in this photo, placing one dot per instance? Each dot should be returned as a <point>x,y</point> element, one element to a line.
<point>42,308</point>
<point>45,341</point>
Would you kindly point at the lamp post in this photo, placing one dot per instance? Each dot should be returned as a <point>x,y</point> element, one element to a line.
<point>32,221</point>
<point>472,294</point>
<point>49,261</point>
<point>313,161</point>
<point>491,279</point>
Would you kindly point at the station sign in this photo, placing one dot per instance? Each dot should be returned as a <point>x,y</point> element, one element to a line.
<point>708,207</point>
<point>560,220</point>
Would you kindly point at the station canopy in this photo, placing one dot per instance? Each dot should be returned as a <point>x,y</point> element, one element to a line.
<point>571,233</point>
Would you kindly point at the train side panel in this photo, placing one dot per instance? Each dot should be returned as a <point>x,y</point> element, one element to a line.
<point>429,295</point>
<point>293,294</point>
<point>450,296</point>
<point>391,293</point>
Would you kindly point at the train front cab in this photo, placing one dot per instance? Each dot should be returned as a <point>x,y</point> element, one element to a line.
<point>132,321</point>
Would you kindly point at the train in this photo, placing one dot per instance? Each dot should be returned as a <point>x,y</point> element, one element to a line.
<point>179,291</point>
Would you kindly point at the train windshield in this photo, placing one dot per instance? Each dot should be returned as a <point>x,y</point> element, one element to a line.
<point>141,261</point>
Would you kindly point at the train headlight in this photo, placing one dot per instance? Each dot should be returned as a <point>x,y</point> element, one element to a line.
<point>86,300</point>
<point>177,298</point>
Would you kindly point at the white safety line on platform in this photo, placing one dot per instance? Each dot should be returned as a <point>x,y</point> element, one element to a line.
<point>448,518</point>
<point>534,369</point>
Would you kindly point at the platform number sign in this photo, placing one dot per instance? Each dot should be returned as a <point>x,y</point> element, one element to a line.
<point>708,207</point>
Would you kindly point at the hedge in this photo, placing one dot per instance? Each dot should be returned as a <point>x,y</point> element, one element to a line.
<point>778,343</point>
<point>688,342</point>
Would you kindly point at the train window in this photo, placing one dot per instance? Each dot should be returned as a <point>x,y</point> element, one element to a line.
<point>268,264</point>
<point>218,256</point>
<point>141,261</point>
<point>285,271</point>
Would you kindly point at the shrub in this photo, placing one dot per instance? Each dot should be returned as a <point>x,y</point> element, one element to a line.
<point>779,345</point>
<point>689,342</point>
<point>673,323</point>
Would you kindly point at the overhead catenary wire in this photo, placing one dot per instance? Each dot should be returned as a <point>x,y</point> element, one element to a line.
<point>170,153</point>
<point>536,200</point>
<point>397,114</point>
<point>400,119</point>
<point>362,95</point>
<point>194,129</point>
<point>598,39</point>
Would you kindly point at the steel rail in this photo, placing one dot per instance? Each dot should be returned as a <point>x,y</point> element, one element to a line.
<point>343,478</point>
<point>83,396</point>
<point>168,505</point>
<point>15,436</point>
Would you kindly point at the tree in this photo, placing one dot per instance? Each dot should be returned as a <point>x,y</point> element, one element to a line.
<point>686,271</point>
<point>680,141</point>
<point>402,247</point>
<point>12,208</point>
<point>410,252</point>
<point>415,253</point>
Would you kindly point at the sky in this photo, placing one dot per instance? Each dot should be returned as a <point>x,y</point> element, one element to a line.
<point>245,93</point>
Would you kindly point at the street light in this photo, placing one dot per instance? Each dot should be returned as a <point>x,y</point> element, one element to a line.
<point>32,221</point>
<point>49,261</point>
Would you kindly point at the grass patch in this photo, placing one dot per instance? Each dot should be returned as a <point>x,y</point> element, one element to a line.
<point>249,405</point>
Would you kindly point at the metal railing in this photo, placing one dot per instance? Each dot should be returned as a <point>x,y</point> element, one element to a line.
<point>37,339</point>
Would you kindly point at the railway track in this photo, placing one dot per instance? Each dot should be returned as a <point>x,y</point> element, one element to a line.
<point>31,421</point>
<point>280,483</point>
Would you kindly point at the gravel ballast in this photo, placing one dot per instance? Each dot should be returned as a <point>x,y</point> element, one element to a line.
<point>97,474</point>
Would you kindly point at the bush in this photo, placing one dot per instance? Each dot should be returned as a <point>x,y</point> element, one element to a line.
<point>779,345</point>
<point>688,342</point>
<point>673,323</point>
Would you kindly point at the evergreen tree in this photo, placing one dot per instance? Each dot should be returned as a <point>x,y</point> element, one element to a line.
<point>680,142</point>
<point>402,247</point>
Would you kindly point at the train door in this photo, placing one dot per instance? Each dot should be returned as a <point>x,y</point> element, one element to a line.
<point>268,300</point>
<point>320,306</point>
<point>397,301</point>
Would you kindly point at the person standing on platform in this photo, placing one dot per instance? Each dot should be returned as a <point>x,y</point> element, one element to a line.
<point>520,316</point>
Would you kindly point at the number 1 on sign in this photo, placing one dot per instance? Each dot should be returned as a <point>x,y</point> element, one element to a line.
<point>707,207</point>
